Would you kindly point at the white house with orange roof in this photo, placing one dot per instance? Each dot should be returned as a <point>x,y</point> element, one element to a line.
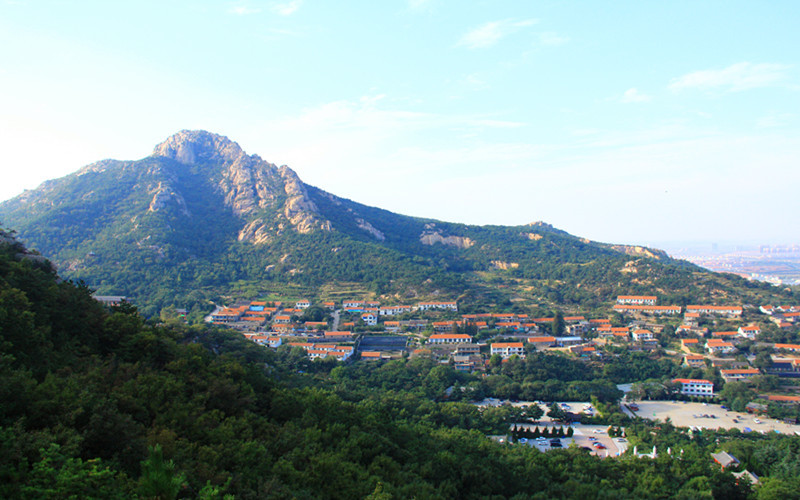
<point>642,335</point>
<point>719,346</point>
<point>716,310</point>
<point>643,309</point>
<point>738,375</point>
<point>695,387</point>
<point>302,304</point>
<point>508,349</point>
<point>426,306</point>
<point>694,361</point>
<point>449,338</point>
<point>369,319</point>
<point>639,300</point>
<point>749,331</point>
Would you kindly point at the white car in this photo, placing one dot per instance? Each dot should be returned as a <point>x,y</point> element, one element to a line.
<point>756,420</point>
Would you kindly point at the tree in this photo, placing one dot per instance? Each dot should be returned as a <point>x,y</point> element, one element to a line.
<point>558,324</point>
<point>534,412</point>
<point>557,413</point>
<point>159,480</point>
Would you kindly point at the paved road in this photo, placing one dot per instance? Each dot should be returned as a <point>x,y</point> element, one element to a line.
<point>335,326</point>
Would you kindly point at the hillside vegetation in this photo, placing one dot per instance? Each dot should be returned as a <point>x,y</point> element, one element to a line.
<point>201,220</point>
<point>101,404</point>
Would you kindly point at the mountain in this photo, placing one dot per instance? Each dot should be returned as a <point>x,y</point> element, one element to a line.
<point>199,219</point>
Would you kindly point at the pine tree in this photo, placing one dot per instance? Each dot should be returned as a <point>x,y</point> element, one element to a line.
<point>159,480</point>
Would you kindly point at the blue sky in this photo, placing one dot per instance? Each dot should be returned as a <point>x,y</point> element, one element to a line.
<point>636,122</point>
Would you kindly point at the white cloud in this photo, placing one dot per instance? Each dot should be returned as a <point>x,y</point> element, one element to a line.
<point>553,39</point>
<point>736,77</point>
<point>286,8</point>
<point>490,33</point>
<point>633,95</point>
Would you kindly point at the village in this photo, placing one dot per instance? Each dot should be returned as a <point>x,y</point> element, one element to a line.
<point>707,337</point>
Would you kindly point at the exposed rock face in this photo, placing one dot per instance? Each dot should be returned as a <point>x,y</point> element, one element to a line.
<point>164,194</point>
<point>456,241</point>
<point>366,226</point>
<point>299,209</point>
<point>249,184</point>
<point>639,251</point>
<point>198,146</point>
<point>497,264</point>
<point>533,236</point>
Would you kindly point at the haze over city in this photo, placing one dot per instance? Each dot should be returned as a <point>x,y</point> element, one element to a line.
<point>628,122</point>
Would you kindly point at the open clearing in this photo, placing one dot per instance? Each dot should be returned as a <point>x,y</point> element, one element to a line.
<point>685,414</point>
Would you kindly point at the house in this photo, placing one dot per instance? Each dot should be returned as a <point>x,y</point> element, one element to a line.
<point>302,304</point>
<point>353,303</point>
<point>657,310</point>
<point>770,310</point>
<point>687,329</point>
<point>369,319</point>
<point>339,335</point>
<point>282,319</point>
<point>568,341</point>
<point>226,315</point>
<point>788,347</point>
<point>642,335</point>
<point>790,400</point>
<point>694,361</point>
<point>371,355</point>
<point>468,350</point>
<point>716,310</point>
<point>738,375</point>
<point>449,338</point>
<point>695,387</point>
<point>725,459</point>
<point>266,340</point>
<point>393,310</point>
<point>640,300</point>
<point>542,342</point>
<point>329,305</point>
<point>110,300</point>
<point>718,346</point>
<point>392,326</point>
<point>749,476</point>
<point>689,342</point>
<point>425,306</point>
<point>444,326</point>
<point>749,331</point>
<point>508,349</point>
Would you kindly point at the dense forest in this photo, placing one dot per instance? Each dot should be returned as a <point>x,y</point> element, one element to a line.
<point>100,403</point>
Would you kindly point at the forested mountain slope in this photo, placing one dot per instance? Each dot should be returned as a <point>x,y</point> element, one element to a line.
<point>200,218</point>
<point>101,404</point>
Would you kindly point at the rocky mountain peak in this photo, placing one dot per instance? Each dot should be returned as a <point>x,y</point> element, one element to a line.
<point>193,146</point>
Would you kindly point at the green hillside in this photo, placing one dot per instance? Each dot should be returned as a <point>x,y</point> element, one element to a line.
<point>201,220</point>
<point>101,404</point>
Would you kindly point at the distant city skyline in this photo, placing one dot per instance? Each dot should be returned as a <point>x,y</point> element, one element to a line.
<point>625,122</point>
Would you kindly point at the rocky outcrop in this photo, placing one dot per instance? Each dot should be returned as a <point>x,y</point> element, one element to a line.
<point>532,236</point>
<point>456,241</point>
<point>249,184</point>
<point>639,251</point>
<point>366,226</point>
<point>198,146</point>
<point>505,266</point>
<point>164,194</point>
<point>298,208</point>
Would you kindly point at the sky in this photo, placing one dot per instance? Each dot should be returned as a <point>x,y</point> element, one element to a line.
<point>628,122</point>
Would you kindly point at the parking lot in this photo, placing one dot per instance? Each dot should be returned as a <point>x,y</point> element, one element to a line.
<point>709,416</point>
